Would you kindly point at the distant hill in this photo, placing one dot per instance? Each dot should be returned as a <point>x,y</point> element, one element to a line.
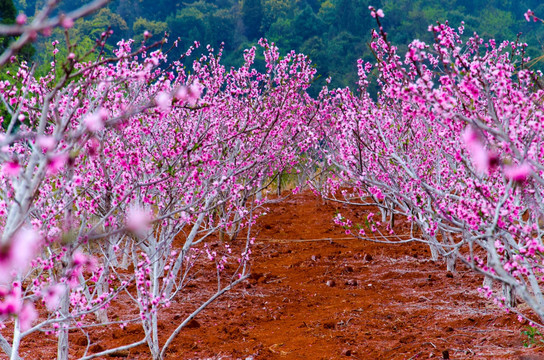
<point>334,33</point>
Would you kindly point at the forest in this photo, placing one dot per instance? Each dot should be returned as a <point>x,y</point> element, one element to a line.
<point>333,33</point>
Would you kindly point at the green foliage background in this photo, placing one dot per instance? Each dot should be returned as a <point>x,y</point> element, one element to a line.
<point>334,33</point>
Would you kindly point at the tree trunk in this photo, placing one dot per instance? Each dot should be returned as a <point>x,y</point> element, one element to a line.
<point>16,341</point>
<point>279,183</point>
<point>509,294</point>
<point>488,281</point>
<point>451,262</point>
<point>62,347</point>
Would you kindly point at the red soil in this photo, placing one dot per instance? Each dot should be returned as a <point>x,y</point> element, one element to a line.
<point>331,299</point>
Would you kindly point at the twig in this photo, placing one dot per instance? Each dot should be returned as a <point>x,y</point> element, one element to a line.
<point>111,351</point>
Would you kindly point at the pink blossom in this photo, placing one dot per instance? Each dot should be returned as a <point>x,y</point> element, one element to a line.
<point>79,259</point>
<point>380,13</point>
<point>11,168</point>
<point>528,14</point>
<point>56,163</point>
<point>21,19</point>
<point>164,101</point>
<point>24,246</point>
<point>46,31</point>
<point>67,23</point>
<point>47,143</point>
<point>93,145</point>
<point>480,156</point>
<point>53,295</point>
<point>27,316</point>
<point>470,137</point>
<point>12,302</point>
<point>6,269</point>
<point>182,94</point>
<point>147,34</point>
<point>15,257</point>
<point>138,220</point>
<point>95,121</point>
<point>77,180</point>
<point>518,173</point>
<point>493,160</point>
<point>189,95</point>
<point>195,90</point>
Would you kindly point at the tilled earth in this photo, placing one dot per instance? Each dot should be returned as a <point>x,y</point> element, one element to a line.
<point>315,293</point>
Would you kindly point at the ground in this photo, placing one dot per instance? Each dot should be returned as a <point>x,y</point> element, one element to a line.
<point>317,293</point>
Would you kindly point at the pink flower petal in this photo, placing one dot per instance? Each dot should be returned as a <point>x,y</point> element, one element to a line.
<point>56,163</point>
<point>47,143</point>
<point>27,316</point>
<point>94,122</point>
<point>518,173</point>
<point>182,94</point>
<point>11,168</point>
<point>480,159</point>
<point>528,15</point>
<point>195,90</point>
<point>470,137</point>
<point>53,295</point>
<point>164,101</point>
<point>138,220</point>
<point>21,19</point>
<point>67,23</point>
<point>24,247</point>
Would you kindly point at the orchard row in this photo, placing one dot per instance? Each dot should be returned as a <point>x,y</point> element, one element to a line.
<point>117,172</point>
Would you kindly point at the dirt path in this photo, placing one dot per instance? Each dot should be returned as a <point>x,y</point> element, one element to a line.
<point>345,298</point>
<point>328,299</point>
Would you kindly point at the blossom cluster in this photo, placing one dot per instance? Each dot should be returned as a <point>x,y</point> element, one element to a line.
<point>453,143</point>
